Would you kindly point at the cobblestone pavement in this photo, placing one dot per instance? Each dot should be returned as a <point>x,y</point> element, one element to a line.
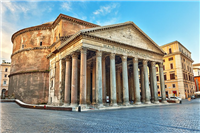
<point>183,117</point>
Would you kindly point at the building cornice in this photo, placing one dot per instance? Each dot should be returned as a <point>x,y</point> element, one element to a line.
<point>173,43</point>
<point>28,49</point>
<point>176,53</point>
<point>26,72</point>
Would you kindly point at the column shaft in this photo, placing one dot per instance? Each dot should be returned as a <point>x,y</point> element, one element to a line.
<point>94,82</point>
<point>151,83</point>
<point>142,84</point>
<point>136,81</point>
<point>162,83</point>
<point>113,80</point>
<point>74,79</point>
<point>99,78</point>
<point>67,81</point>
<point>125,81</point>
<point>154,82</point>
<point>104,80</point>
<point>119,80</point>
<point>146,83</point>
<point>88,84</point>
<point>83,73</point>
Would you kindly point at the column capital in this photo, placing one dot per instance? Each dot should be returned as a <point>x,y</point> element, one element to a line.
<point>98,53</point>
<point>135,60</point>
<point>112,56</point>
<point>144,62</point>
<point>153,63</point>
<point>83,50</point>
<point>118,69</point>
<point>75,55</point>
<point>124,58</point>
<point>68,58</point>
<point>160,65</point>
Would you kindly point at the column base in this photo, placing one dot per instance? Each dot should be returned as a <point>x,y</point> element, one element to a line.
<point>101,106</point>
<point>126,104</point>
<point>66,104</point>
<point>147,102</point>
<point>156,102</point>
<point>93,103</point>
<point>73,105</point>
<point>114,105</point>
<point>138,103</point>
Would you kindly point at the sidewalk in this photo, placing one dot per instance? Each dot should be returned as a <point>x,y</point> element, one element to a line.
<point>89,107</point>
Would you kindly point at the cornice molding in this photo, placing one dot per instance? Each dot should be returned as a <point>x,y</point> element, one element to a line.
<point>26,72</point>
<point>28,49</point>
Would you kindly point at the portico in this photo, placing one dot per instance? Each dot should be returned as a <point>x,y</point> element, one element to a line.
<point>116,61</point>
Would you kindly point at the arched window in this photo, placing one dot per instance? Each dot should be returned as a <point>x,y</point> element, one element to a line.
<point>40,43</point>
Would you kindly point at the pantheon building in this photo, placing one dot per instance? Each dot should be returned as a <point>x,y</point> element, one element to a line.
<point>71,62</point>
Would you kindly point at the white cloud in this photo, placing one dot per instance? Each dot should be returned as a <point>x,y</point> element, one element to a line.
<point>105,9</point>
<point>107,22</point>
<point>66,6</point>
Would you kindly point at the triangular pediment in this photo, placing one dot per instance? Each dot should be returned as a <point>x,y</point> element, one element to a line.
<point>126,33</point>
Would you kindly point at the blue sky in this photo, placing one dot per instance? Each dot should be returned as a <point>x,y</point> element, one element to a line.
<point>163,22</point>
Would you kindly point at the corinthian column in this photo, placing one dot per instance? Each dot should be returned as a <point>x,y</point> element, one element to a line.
<point>99,78</point>
<point>142,84</point>
<point>113,80</point>
<point>74,79</point>
<point>104,80</point>
<point>83,73</point>
<point>88,83</point>
<point>162,83</point>
<point>146,83</point>
<point>67,81</point>
<point>94,82</point>
<point>119,80</point>
<point>151,83</point>
<point>136,81</point>
<point>125,81</point>
<point>154,82</point>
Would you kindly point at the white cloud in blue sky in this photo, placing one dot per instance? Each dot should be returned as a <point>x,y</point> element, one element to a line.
<point>164,22</point>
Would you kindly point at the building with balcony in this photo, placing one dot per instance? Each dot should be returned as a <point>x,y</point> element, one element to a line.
<point>178,71</point>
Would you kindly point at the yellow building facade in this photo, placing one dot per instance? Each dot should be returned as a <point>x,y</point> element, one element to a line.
<point>4,79</point>
<point>178,71</point>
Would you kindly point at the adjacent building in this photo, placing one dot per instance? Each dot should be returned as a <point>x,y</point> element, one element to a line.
<point>4,79</point>
<point>178,71</point>
<point>72,62</point>
<point>196,71</point>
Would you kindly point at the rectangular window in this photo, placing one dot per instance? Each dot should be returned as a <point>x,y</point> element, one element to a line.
<point>157,78</point>
<point>164,60</point>
<point>40,43</point>
<point>4,82</point>
<point>170,50</point>
<point>172,76</point>
<point>173,86</point>
<point>170,59</point>
<point>6,70</point>
<point>165,77</point>
<point>158,86</point>
<point>163,67</point>
<point>165,86</point>
<point>22,46</point>
<point>156,69</point>
<point>171,65</point>
<point>5,75</point>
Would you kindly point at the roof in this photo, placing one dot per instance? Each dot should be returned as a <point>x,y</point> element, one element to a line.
<point>173,43</point>
<point>84,31</point>
<point>50,25</point>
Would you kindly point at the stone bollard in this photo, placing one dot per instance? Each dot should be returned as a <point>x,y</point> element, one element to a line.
<point>180,102</point>
<point>79,108</point>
